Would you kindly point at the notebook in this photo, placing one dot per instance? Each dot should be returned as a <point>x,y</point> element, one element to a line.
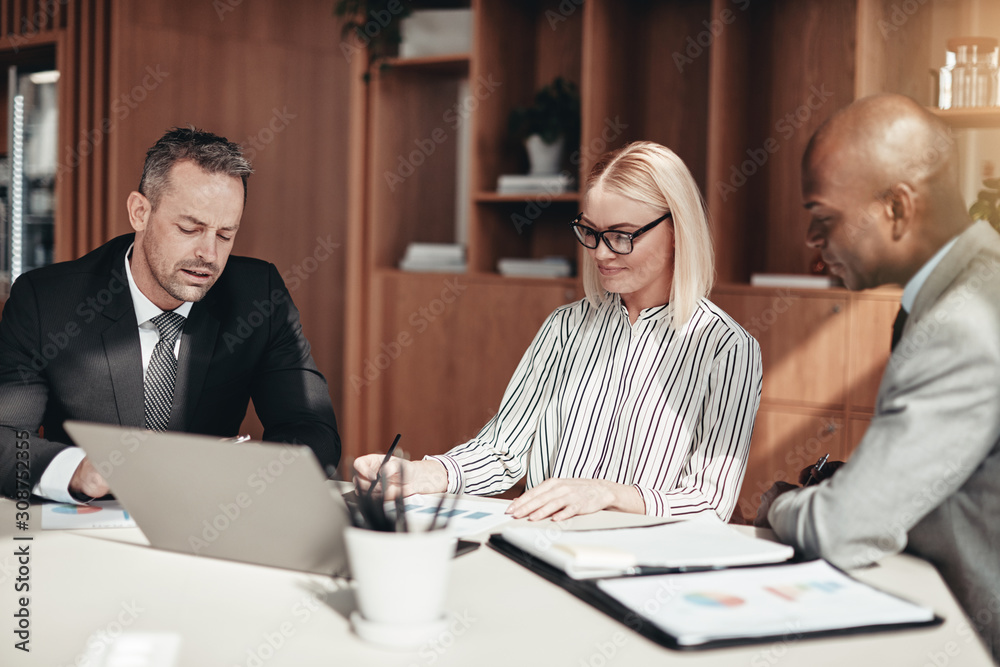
<point>699,543</point>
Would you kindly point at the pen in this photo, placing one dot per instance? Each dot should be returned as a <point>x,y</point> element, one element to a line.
<point>813,479</point>
<point>655,569</point>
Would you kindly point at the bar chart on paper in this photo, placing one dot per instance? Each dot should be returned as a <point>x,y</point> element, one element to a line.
<point>466,517</point>
<point>97,514</point>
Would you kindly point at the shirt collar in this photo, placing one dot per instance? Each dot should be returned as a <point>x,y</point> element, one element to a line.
<point>652,314</point>
<point>145,309</point>
<point>912,288</point>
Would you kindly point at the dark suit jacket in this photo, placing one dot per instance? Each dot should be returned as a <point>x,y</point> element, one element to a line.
<point>69,349</point>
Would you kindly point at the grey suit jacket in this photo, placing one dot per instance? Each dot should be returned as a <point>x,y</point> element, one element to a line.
<point>926,475</point>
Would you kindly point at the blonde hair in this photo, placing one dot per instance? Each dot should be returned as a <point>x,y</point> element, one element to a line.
<point>652,174</point>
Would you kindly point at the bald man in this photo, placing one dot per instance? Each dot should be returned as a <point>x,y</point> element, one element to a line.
<point>879,180</point>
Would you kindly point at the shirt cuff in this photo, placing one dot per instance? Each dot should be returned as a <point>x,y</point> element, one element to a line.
<point>54,482</point>
<point>455,480</point>
<point>656,504</point>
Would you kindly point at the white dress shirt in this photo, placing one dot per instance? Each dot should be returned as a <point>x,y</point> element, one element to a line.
<point>669,412</point>
<point>54,482</point>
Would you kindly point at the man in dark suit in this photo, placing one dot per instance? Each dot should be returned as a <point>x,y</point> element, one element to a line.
<point>161,329</point>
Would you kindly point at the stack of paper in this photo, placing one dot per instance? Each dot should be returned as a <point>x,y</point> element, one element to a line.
<point>548,267</point>
<point>548,184</point>
<point>697,543</point>
<point>438,257</point>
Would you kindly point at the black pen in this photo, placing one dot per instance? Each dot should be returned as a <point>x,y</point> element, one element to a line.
<point>657,569</point>
<point>813,479</point>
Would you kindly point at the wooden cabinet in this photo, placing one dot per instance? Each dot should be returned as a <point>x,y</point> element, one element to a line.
<point>447,345</point>
<point>823,353</point>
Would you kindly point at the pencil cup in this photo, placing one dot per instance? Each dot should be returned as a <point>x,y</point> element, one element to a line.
<point>400,584</point>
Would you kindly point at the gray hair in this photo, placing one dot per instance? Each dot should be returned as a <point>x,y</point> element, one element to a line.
<point>214,154</point>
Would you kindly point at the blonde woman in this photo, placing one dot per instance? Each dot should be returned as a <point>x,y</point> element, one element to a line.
<point>639,398</point>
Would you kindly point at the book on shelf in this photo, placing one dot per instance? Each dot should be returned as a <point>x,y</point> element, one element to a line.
<point>434,257</point>
<point>794,280</point>
<point>535,184</point>
<point>435,32</point>
<point>547,267</point>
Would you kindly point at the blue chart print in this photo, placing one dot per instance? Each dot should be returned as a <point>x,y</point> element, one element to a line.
<point>468,515</point>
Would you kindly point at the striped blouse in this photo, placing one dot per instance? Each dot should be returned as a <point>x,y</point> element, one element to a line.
<point>670,412</point>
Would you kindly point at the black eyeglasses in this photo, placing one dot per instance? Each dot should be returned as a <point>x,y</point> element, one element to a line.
<point>619,243</point>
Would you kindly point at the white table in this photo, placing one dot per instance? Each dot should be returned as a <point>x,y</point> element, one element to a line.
<point>85,583</point>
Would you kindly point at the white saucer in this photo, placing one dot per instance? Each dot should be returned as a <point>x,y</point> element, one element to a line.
<point>408,635</point>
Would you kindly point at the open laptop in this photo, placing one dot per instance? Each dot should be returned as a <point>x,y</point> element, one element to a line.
<point>260,503</point>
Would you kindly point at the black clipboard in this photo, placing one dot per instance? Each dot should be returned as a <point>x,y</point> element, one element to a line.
<point>589,592</point>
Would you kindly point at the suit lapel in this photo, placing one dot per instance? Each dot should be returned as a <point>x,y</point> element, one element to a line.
<point>197,345</point>
<point>124,353</point>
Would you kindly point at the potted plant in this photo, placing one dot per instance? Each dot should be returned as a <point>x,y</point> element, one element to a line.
<point>985,206</point>
<point>549,125</point>
<point>374,24</point>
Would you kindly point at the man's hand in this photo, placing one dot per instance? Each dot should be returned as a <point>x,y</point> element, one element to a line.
<point>87,481</point>
<point>767,499</point>
<point>564,498</point>
<point>400,477</point>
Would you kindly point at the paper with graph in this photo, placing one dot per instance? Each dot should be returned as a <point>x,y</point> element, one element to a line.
<point>96,514</point>
<point>778,600</point>
<point>465,516</point>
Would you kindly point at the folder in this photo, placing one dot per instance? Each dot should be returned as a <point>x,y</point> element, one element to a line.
<point>617,597</point>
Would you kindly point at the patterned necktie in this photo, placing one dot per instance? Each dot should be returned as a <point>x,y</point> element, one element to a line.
<point>897,326</point>
<point>158,387</point>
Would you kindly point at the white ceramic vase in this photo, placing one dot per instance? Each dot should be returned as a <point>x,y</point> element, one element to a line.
<point>544,158</point>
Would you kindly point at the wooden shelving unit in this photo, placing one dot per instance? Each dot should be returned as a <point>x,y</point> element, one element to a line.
<point>973,118</point>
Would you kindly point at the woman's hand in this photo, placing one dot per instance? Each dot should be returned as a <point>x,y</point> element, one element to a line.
<point>400,477</point>
<point>562,498</point>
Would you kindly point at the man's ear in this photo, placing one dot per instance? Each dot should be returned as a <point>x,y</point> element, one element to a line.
<point>902,200</point>
<point>139,210</point>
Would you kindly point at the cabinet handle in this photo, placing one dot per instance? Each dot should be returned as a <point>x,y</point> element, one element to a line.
<point>831,428</point>
<point>836,308</point>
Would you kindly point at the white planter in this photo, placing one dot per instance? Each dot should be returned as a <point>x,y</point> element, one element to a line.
<point>545,158</point>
